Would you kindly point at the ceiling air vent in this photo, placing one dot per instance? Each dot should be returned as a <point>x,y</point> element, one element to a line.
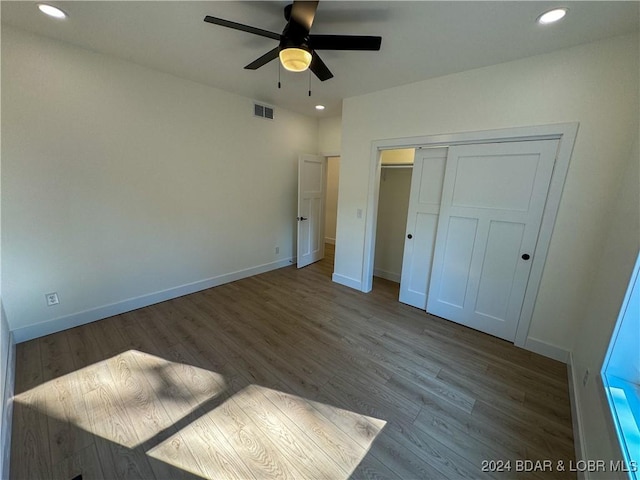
<point>262,111</point>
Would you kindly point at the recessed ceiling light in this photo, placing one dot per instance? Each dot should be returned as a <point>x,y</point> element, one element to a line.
<point>319,107</point>
<point>552,16</point>
<point>52,11</point>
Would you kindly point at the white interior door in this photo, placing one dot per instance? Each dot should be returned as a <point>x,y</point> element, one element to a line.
<point>312,171</point>
<point>492,205</point>
<point>422,221</point>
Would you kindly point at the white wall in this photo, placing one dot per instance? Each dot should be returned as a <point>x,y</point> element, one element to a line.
<point>595,84</point>
<point>7,376</point>
<point>331,199</point>
<point>122,183</point>
<point>330,136</point>
<point>614,263</point>
<point>395,185</point>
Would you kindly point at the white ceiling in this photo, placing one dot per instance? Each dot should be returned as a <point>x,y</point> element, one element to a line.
<point>420,40</point>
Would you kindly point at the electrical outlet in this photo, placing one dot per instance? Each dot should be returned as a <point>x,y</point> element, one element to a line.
<point>52,299</point>
<point>277,250</point>
<point>359,213</point>
<point>585,379</point>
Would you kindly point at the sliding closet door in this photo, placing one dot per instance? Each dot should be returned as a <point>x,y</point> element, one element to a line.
<point>422,220</point>
<point>492,203</point>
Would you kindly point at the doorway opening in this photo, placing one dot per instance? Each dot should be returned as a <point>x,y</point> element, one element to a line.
<point>393,204</point>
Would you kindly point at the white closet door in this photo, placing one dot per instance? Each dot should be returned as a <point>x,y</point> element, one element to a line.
<point>492,204</point>
<point>422,220</point>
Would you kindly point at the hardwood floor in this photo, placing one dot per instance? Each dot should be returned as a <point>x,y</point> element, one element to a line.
<point>285,375</point>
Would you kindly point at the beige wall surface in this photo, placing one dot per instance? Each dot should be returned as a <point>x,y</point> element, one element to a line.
<point>393,205</point>
<point>397,156</point>
<point>121,182</point>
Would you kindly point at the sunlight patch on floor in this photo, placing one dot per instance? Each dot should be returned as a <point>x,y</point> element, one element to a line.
<point>128,398</point>
<point>260,432</point>
<point>140,401</point>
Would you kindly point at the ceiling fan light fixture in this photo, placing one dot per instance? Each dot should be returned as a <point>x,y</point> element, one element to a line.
<point>295,59</point>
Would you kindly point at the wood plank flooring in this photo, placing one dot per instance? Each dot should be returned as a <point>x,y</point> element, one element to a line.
<point>285,375</point>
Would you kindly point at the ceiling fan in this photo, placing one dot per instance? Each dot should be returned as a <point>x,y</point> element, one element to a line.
<point>297,48</point>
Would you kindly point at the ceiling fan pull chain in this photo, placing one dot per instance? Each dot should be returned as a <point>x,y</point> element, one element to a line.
<point>279,75</point>
<point>309,82</point>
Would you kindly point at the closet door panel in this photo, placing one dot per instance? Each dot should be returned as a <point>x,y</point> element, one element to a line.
<point>493,199</point>
<point>422,220</point>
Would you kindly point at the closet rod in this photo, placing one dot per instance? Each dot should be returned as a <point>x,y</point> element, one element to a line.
<point>398,165</point>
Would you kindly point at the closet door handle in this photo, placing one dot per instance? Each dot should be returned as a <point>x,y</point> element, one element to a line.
<point>409,236</point>
<point>526,256</point>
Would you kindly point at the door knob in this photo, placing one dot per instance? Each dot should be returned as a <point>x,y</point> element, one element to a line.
<point>526,256</point>
<point>302,218</point>
<point>409,236</point>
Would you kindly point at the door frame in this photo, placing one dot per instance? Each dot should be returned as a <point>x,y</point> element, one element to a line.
<point>564,132</point>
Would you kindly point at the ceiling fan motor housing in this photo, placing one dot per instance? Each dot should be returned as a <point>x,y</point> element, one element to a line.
<point>294,35</point>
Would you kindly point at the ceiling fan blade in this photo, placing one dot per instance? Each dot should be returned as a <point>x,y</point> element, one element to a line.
<point>303,12</point>
<point>344,42</point>
<point>241,27</point>
<point>264,59</point>
<point>319,68</point>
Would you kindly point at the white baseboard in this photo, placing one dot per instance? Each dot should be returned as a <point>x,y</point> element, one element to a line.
<point>547,350</point>
<point>76,319</point>
<point>576,414</point>
<point>347,281</point>
<point>391,276</point>
<point>330,241</point>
